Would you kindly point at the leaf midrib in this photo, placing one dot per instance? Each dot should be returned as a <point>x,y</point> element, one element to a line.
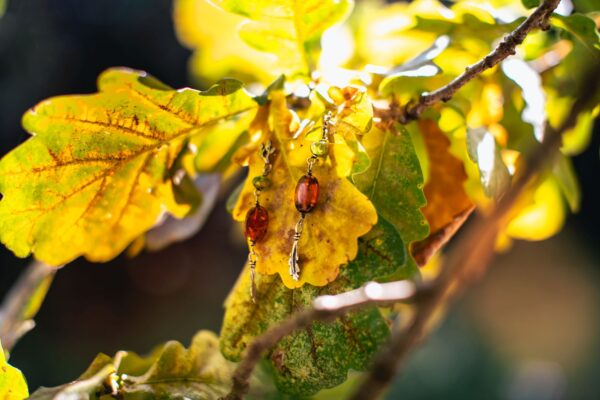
<point>379,165</point>
<point>104,173</point>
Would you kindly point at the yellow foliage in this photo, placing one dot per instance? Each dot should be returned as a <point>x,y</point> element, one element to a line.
<point>487,109</point>
<point>542,216</point>
<point>97,172</point>
<point>218,49</point>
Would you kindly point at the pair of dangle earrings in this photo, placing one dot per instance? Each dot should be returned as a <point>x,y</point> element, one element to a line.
<point>307,192</point>
<point>305,199</point>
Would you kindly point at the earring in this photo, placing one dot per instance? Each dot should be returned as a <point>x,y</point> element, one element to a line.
<point>257,218</point>
<point>307,193</point>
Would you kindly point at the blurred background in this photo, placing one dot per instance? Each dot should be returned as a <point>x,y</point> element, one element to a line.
<point>530,330</point>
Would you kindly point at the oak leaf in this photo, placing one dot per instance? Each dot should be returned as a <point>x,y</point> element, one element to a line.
<point>394,182</point>
<point>170,371</point>
<point>289,29</point>
<point>331,230</point>
<point>446,197</point>
<point>97,172</point>
<point>12,382</point>
<point>320,356</point>
<point>212,34</point>
<point>448,205</point>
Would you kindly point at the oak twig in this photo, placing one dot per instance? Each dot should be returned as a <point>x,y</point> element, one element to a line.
<point>469,258</point>
<point>465,261</point>
<point>325,308</point>
<point>22,302</point>
<point>507,47</point>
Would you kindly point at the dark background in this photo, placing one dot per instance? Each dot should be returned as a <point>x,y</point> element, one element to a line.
<point>529,331</point>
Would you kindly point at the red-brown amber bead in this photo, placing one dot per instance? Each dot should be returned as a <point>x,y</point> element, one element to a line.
<point>257,221</point>
<point>307,193</point>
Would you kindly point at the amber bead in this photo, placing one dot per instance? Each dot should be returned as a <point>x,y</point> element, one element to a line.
<point>257,221</point>
<point>307,193</point>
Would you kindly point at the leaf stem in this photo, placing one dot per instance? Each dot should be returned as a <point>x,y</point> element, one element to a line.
<point>23,301</point>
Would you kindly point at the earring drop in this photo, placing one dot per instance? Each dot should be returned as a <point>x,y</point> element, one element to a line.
<point>307,193</point>
<point>257,218</point>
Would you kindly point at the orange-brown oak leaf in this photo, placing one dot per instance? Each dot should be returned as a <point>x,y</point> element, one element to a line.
<point>447,200</point>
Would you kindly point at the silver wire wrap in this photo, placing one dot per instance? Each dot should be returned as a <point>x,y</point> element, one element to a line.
<point>293,261</point>
<point>252,258</point>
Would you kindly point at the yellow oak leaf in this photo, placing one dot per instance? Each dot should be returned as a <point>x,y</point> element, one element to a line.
<point>12,383</point>
<point>331,231</point>
<point>212,34</point>
<point>288,29</point>
<point>97,172</point>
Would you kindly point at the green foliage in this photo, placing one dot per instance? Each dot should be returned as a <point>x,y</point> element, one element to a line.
<point>394,183</point>
<point>12,382</point>
<point>583,28</point>
<point>564,173</point>
<point>586,6</point>
<point>530,3</point>
<point>320,356</point>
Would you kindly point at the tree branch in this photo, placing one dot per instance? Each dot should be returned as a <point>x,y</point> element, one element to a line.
<point>23,301</point>
<point>474,249</point>
<point>469,258</point>
<point>325,308</point>
<point>507,47</point>
<point>464,263</point>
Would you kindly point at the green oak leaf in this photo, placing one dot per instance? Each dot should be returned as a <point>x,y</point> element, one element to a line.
<point>289,28</point>
<point>585,6</point>
<point>582,27</point>
<point>88,386</point>
<point>318,357</point>
<point>530,3</point>
<point>12,383</point>
<point>394,183</point>
<point>565,175</point>
<point>97,172</point>
<point>470,25</point>
<point>171,371</point>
